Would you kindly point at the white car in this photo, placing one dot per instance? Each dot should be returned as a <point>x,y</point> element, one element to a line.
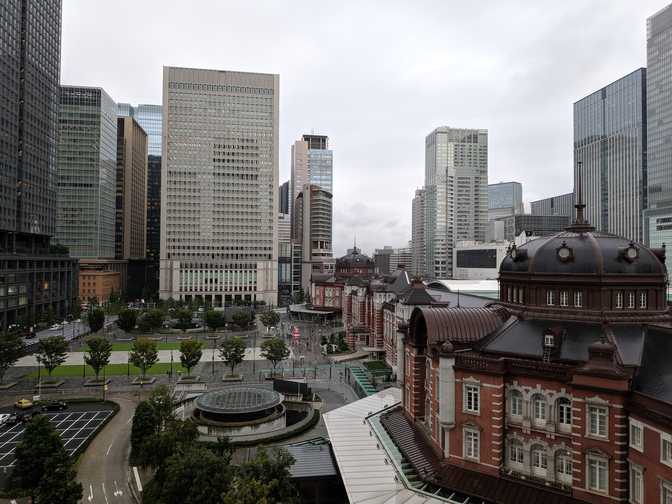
<point>55,327</point>
<point>4,417</point>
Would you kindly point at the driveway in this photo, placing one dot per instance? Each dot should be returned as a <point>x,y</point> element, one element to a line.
<point>103,467</point>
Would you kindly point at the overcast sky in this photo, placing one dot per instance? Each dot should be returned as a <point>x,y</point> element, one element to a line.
<point>377,77</point>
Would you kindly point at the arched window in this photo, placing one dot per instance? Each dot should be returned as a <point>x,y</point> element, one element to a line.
<point>521,296</point>
<point>642,300</point>
<point>550,297</point>
<point>539,409</point>
<point>564,408</point>
<point>631,299</point>
<point>578,299</point>
<point>515,295</point>
<point>508,294</point>
<point>619,300</point>
<point>516,456</point>
<point>563,466</point>
<point>539,461</point>
<point>564,298</point>
<point>515,404</point>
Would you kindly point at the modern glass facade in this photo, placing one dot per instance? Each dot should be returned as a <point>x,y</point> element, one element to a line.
<point>150,118</point>
<point>153,207</point>
<point>418,233</point>
<point>505,195</point>
<point>33,280</point>
<point>456,191</point>
<point>533,225</point>
<point>30,52</point>
<point>658,216</point>
<point>312,163</point>
<point>219,186</point>
<point>284,198</point>
<point>610,155</point>
<point>87,162</point>
<point>555,205</point>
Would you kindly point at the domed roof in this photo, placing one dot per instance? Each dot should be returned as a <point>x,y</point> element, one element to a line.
<point>355,257</point>
<point>579,249</point>
<point>584,252</point>
<point>238,399</point>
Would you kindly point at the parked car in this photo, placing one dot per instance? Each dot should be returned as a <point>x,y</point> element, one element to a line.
<point>23,404</point>
<point>55,406</point>
<point>27,417</point>
<point>4,417</point>
<point>12,420</point>
<point>55,327</point>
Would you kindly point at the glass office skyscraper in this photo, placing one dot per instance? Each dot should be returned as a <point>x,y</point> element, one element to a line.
<point>87,166</point>
<point>610,155</point>
<point>456,194</point>
<point>150,118</point>
<point>33,278</point>
<point>658,216</point>
<point>555,205</point>
<point>219,190</point>
<point>504,198</point>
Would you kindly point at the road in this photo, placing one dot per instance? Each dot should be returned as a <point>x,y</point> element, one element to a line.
<point>70,331</point>
<point>103,467</point>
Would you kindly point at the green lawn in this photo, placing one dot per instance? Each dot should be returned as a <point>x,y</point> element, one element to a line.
<point>111,370</point>
<point>126,346</point>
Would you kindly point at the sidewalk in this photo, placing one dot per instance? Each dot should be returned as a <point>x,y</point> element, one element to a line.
<point>77,358</point>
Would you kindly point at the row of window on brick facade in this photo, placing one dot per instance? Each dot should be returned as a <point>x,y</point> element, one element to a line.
<point>564,297</point>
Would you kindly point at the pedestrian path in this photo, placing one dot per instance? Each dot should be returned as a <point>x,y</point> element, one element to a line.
<point>77,358</point>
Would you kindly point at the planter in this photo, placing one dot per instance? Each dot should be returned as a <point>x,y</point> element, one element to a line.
<point>50,385</point>
<point>232,378</point>
<point>7,386</point>
<point>146,381</point>
<point>189,379</point>
<point>96,383</point>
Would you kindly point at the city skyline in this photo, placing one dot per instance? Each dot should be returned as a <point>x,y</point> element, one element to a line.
<point>522,100</point>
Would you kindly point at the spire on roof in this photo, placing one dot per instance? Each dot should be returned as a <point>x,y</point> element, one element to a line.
<point>580,224</point>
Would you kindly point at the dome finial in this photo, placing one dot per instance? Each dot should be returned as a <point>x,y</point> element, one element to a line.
<point>580,224</point>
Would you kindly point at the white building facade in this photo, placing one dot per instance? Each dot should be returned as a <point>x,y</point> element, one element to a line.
<point>219,186</point>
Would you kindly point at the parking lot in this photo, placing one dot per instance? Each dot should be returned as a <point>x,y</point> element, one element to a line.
<point>75,428</point>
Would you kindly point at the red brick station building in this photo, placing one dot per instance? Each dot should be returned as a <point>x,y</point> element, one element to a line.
<point>560,392</point>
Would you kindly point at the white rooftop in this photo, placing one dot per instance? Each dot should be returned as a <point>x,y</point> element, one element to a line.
<point>368,475</point>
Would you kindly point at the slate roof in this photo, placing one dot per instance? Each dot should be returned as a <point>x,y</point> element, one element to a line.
<point>312,459</point>
<point>463,325</point>
<point>595,253</point>
<point>654,377</point>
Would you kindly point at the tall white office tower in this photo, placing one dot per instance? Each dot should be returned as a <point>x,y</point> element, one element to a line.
<point>456,194</point>
<point>219,193</point>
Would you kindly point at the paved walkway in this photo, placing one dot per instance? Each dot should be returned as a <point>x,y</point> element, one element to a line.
<point>77,358</point>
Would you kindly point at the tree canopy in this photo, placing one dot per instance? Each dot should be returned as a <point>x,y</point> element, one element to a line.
<point>275,350</point>
<point>269,318</point>
<point>96,319</point>
<point>52,352</point>
<point>232,351</point>
<point>143,355</point>
<point>43,469</point>
<point>98,354</point>
<point>215,319</point>
<point>12,349</point>
<point>127,319</point>
<point>190,354</point>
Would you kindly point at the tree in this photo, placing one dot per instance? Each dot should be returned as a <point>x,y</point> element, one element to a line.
<point>76,310</point>
<point>241,318</point>
<point>190,354</point>
<point>58,249</point>
<point>193,475</point>
<point>274,350</point>
<point>161,402</point>
<point>145,424</point>
<point>269,474</point>
<point>96,319</point>
<point>269,318</point>
<point>143,356</point>
<point>298,297</point>
<point>44,470</point>
<point>52,352</point>
<point>127,319</point>
<point>12,349</point>
<point>215,319</point>
<point>98,354</point>
<point>183,316</point>
<point>232,351</point>
<point>155,318</point>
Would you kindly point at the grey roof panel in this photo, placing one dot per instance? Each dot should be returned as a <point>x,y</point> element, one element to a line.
<point>312,461</point>
<point>654,377</point>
